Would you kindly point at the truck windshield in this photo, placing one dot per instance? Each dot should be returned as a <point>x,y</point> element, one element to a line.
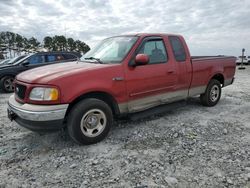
<point>111,50</point>
<point>12,61</point>
<point>22,60</point>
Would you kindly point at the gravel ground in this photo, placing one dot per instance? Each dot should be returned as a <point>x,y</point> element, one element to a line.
<point>189,146</point>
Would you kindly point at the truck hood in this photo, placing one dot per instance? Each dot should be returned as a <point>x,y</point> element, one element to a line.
<point>46,74</point>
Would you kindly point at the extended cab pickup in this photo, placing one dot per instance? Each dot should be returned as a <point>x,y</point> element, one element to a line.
<point>121,75</point>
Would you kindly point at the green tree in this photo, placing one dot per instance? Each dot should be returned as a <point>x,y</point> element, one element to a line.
<point>10,40</point>
<point>71,45</point>
<point>59,42</point>
<point>1,55</point>
<point>26,45</point>
<point>19,43</point>
<point>81,47</point>
<point>3,42</point>
<point>48,43</point>
<point>14,42</point>
<point>34,43</point>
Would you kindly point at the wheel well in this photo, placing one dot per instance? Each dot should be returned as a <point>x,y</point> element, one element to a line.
<point>109,99</point>
<point>7,75</point>
<point>220,78</point>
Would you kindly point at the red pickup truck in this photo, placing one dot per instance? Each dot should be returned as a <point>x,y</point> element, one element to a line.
<point>121,75</point>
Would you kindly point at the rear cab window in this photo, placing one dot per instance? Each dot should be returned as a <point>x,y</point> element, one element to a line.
<point>178,49</point>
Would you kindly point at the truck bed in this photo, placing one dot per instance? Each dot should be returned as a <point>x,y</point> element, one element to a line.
<point>210,57</point>
<point>204,67</point>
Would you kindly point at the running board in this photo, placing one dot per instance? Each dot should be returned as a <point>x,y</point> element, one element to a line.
<point>157,110</point>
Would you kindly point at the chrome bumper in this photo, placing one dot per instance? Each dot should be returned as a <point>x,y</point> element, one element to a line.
<point>37,113</point>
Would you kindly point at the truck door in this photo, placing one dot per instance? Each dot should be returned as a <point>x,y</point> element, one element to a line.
<point>183,64</point>
<point>152,84</point>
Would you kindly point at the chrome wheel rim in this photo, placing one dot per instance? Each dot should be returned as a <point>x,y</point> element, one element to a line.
<point>8,84</point>
<point>93,122</point>
<point>215,93</point>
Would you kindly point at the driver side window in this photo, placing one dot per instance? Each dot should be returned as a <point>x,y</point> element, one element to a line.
<point>36,59</point>
<point>156,51</point>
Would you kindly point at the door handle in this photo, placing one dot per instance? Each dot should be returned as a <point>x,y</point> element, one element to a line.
<point>170,71</point>
<point>118,79</point>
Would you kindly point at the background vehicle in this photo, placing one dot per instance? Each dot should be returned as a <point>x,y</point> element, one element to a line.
<point>10,70</point>
<point>245,60</point>
<point>4,61</point>
<point>121,75</point>
<point>13,60</point>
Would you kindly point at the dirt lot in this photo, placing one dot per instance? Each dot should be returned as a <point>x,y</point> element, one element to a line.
<point>189,146</point>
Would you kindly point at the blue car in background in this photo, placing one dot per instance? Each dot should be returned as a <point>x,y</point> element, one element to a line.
<point>10,69</point>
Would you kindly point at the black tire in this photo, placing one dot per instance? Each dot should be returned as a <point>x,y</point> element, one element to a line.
<point>89,110</point>
<point>6,84</point>
<point>212,95</point>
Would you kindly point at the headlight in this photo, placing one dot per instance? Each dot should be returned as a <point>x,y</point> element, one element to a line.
<point>44,94</point>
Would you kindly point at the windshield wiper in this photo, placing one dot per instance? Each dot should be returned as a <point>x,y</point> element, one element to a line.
<point>93,58</point>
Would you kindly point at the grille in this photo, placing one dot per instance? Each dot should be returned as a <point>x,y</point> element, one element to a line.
<point>20,91</point>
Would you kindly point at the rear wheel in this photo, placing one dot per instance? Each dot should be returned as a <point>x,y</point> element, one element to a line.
<point>213,93</point>
<point>6,84</point>
<point>89,121</point>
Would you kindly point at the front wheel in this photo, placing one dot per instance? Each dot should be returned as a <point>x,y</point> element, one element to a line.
<point>213,93</point>
<point>6,84</point>
<point>89,121</point>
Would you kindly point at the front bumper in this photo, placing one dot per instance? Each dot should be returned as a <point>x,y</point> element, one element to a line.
<point>37,117</point>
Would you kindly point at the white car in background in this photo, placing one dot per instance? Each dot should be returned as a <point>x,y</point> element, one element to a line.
<point>246,60</point>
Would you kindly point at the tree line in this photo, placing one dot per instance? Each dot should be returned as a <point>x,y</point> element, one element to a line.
<point>14,44</point>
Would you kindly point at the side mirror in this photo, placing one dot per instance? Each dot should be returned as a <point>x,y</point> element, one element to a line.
<point>141,59</point>
<point>25,63</point>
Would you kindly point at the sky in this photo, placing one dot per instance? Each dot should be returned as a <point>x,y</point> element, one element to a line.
<point>214,27</point>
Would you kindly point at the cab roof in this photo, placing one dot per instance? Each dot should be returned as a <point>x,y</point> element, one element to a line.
<point>148,34</point>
